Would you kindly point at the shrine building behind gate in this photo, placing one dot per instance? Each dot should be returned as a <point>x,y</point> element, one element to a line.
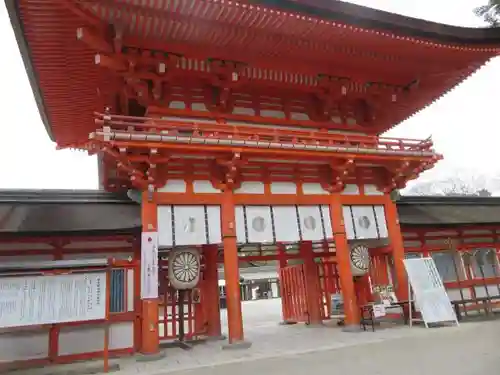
<point>248,132</point>
<point>46,225</point>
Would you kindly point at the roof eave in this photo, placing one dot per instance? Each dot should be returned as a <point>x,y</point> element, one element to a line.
<point>339,11</point>
<point>369,18</point>
<point>14,15</point>
<point>448,200</point>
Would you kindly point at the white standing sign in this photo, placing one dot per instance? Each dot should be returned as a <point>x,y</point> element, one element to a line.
<point>429,291</point>
<point>149,265</point>
<point>38,300</point>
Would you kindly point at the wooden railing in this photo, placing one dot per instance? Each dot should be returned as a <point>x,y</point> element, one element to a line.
<point>268,136</point>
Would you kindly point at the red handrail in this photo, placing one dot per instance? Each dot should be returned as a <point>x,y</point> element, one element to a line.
<point>252,132</point>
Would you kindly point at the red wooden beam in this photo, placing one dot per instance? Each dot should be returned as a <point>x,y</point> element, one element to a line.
<point>93,40</point>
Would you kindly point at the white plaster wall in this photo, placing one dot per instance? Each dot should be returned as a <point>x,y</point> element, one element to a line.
<point>351,189</point>
<point>310,188</point>
<point>283,188</point>
<point>24,344</point>
<point>372,190</point>
<point>90,338</point>
<point>250,187</point>
<point>173,186</point>
<point>204,186</point>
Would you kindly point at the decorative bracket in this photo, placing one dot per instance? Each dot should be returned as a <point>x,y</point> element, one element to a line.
<point>226,172</point>
<point>337,175</point>
<point>226,76</point>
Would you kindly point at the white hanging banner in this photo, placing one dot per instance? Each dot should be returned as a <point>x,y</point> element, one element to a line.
<point>149,265</point>
<point>429,290</point>
<point>36,300</point>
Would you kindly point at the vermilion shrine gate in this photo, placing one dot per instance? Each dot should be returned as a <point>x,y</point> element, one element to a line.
<point>240,125</point>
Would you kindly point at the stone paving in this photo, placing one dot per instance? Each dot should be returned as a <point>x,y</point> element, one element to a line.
<point>271,340</point>
<point>471,349</point>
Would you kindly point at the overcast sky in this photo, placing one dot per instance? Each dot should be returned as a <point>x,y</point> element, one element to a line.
<point>464,124</point>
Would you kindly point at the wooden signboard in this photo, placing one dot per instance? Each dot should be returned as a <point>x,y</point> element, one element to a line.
<point>429,291</point>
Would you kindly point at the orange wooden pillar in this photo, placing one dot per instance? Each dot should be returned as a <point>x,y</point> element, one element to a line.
<point>211,291</point>
<point>363,292</point>
<point>397,247</point>
<point>232,272</point>
<point>312,283</point>
<point>149,299</point>
<point>282,263</point>
<point>351,308</point>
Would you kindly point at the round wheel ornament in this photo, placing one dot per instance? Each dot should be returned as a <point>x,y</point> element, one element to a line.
<point>360,260</point>
<point>184,267</point>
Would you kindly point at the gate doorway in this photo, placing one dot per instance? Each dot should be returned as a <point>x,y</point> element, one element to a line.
<point>192,314</point>
<point>297,291</point>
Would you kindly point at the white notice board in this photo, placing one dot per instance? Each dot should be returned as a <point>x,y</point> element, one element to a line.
<point>37,300</point>
<point>430,293</point>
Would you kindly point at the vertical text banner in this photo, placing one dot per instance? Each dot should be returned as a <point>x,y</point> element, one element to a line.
<point>149,265</point>
<point>429,291</point>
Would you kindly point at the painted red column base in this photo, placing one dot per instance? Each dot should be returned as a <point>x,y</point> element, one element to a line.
<point>150,339</point>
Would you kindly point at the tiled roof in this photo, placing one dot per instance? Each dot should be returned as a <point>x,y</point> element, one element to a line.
<point>65,211</point>
<point>85,212</point>
<point>448,211</point>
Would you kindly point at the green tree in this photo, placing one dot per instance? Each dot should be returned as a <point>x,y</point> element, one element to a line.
<point>490,12</point>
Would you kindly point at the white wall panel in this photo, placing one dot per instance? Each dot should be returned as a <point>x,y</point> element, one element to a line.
<point>181,225</point>
<point>239,217</point>
<point>283,188</point>
<point>311,223</point>
<point>174,186</point>
<point>165,237</point>
<point>90,338</point>
<point>364,222</point>
<point>313,188</point>
<point>214,224</point>
<point>24,344</point>
<point>259,224</point>
<point>381,221</point>
<point>190,227</point>
<point>203,186</point>
<point>349,226</point>
<point>250,187</point>
<point>372,190</point>
<point>285,223</point>
<point>257,228</point>
<point>327,221</point>
<point>351,189</point>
